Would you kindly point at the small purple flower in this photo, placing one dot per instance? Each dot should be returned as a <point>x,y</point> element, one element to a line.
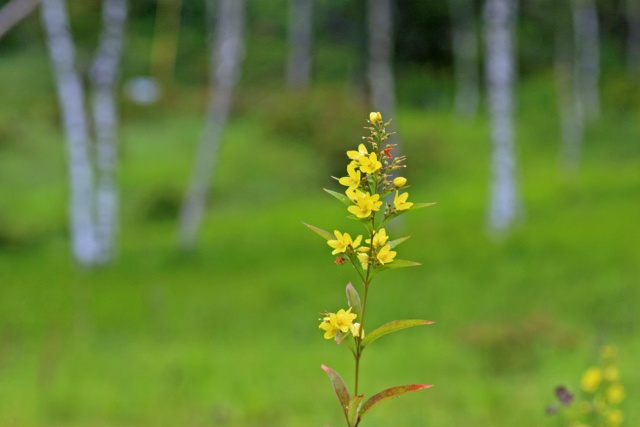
<point>564,396</point>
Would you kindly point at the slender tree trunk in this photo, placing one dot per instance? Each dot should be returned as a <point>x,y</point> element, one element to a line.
<point>465,56</point>
<point>300,41</point>
<point>225,70</point>
<point>633,36</point>
<point>14,12</point>
<point>104,74</point>
<point>586,29</point>
<point>569,100</point>
<point>505,202</point>
<point>380,68</point>
<point>72,105</point>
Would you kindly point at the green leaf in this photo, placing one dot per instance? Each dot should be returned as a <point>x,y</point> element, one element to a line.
<point>422,205</point>
<point>396,242</point>
<point>354,300</point>
<point>339,387</point>
<point>390,393</point>
<point>397,263</point>
<point>392,326</point>
<point>321,232</point>
<point>342,197</point>
<point>353,410</point>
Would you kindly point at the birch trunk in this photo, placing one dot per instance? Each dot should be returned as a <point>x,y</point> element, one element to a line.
<point>585,24</point>
<point>72,106</point>
<point>633,36</point>
<point>380,68</point>
<point>300,41</point>
<point>14,12</point>
<point>504,201</point>
<point>465,56</point>
<point>569,100</point>
<point>104,74</point>
<point>225,69</point>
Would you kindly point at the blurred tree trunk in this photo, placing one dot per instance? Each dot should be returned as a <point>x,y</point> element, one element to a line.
<point>104,74</point>
<point>227,54</point>
<point>380,68</point>
<point>586,29</point>
<point>465,56</point>
<point>76,128</point>
<point>300,41</point>
<point>633,36</point>
<point>569,100</point>
<point>14,12</point>
<point>504,207</point>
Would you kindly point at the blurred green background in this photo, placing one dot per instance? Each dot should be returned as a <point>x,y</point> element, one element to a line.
<point>227,335</point>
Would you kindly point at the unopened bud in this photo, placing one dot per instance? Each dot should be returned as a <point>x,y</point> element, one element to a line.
<point>400,182</point>
<point>375,117</point>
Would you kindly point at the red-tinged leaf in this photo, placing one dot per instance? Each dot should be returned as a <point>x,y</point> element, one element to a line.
<point>390,393</point>
<point>321,232</point>
<point>396,242</point>
<point>353,410</point>
<point>342,197</point>
<point>394,325</point>
<point>339,387</point>
<point>354,301</point>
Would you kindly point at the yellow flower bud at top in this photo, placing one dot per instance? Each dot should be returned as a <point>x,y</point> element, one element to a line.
<point>400,182</point>
<point>375,117</point>
<point>615,394</point>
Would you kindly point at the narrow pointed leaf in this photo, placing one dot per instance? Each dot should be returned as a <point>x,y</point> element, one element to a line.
<point>397,263</point>
<point>353,410</point>
<point>422,205</point>
<point>342,197</point>
<point>321,232</point>
<point>392,326</point>
<point>390,393</point>
<point>339,387</point>
<point>354,300</point>
<point>396,242</point>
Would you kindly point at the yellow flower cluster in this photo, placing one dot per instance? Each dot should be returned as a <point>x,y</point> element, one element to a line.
<point>342,321</point>
<point>604,390</point>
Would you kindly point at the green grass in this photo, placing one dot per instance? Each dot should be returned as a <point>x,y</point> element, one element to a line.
<point>228,336</point>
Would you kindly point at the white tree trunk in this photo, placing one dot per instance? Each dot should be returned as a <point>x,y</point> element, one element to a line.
<point>465,56</point>
<point>104,74</point>
<point>633,36</point>
<point>225,69</point>
<point>72,105</point>
<point>569,99</point>
<point>380,68</point>
<point>505,202</point>
<point>586,29</point>
<point>14,12</point>
<point>300,42</point>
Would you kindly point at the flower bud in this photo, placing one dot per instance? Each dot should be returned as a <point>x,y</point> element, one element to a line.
<point>375,117</point>
<point>400,182</point>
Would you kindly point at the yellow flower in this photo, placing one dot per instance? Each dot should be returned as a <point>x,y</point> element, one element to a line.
<point>614,418</point>
<point>333,322</point>
<point>386,255</point>
<point>355,155</point>
<point>353,180</point>
<point>400,201</point>
<point>365,203</point>
<point>591,379</point>
<point>615,393</point>
<point>611,373</point>
<point>380,238</point>
<point>342,242</point>
<point>375,117</point>
<point>364,260</point>
<point>357,331</point>
<point>370,164</point>
<point>400,182</point>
